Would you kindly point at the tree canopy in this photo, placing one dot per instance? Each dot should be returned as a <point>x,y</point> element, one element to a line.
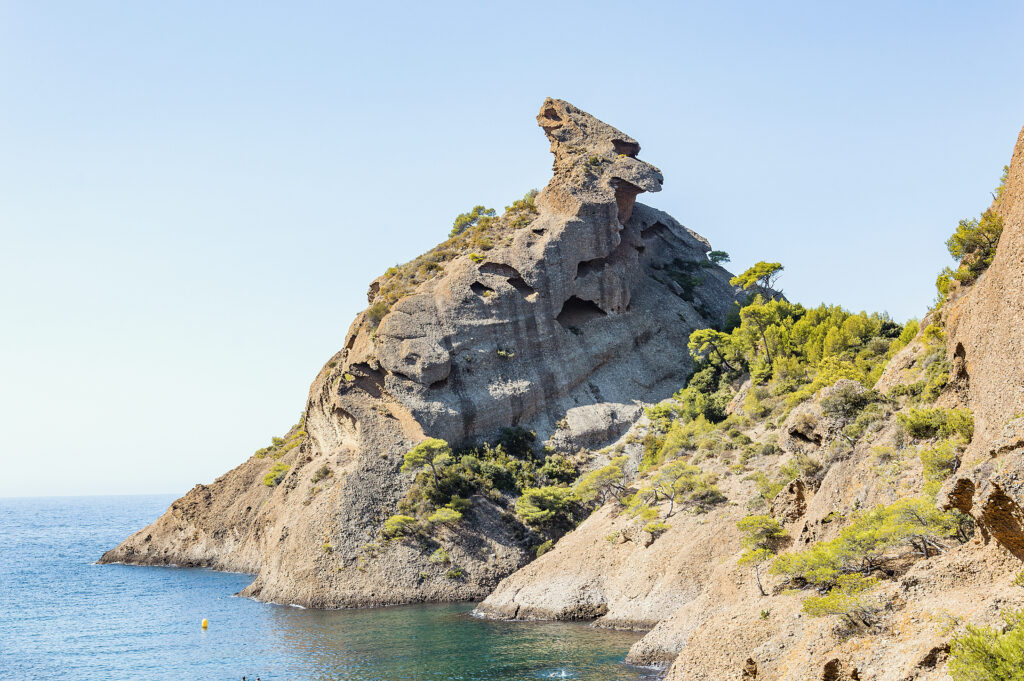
<point>762,275</point>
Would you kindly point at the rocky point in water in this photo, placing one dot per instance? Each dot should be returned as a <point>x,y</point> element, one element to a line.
<point>561,317</point>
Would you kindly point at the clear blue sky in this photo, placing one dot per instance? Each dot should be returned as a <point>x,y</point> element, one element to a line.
<point>194,196</point>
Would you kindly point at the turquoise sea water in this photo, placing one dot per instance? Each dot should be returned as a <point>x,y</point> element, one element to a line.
<point>63,617</point>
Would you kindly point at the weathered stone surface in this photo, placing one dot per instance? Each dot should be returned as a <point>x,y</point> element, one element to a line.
<point>984,341</point>
<point>564,326</point>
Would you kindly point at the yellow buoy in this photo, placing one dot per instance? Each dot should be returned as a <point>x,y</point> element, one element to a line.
<point>205,623</point>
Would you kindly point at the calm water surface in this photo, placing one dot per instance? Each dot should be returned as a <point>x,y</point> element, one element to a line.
<point>62,617</point>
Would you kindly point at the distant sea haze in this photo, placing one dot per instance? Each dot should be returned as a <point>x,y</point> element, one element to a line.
<point>64,617</point>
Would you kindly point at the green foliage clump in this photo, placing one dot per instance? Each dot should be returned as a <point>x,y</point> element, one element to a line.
<point>398,526</point>
<point>989,654</point>
<point>546,506</point>
<point>848,599</point>
<point>276,474</point>
<point>466,220</point>
<point>321,473</point>
<point>972,246</point>
<point>432,452</point>
<point>913,522</point>
<point>718,257</point>
<point>545,547</point>
<point>762,535</point>
<point>762,276</point>
<point>279,446</point>
<point>509,465</point>
<point>656,528</point>
<point>846,401</point>
<point>603,483</point>
<point>939,462</point>
<point>928,423</point>
<point>677,482</point>
<point>558,468</point>
<point>444,516</point>
<point>440,555</point>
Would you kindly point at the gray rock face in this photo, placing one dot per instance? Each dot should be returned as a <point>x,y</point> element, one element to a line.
<point>568,319</point>
<point>590,306</point>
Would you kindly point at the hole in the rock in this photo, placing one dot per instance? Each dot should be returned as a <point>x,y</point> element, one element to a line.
<point>630,149</point>
<point>657,229</point>
<point>587,266</point>
<point>510,273</point>
<point>519,284</point>
<point>499,268</point>
<point>538,232</point>
<point>577,312</point>
<point>551,114</point>
<point>480,289</point>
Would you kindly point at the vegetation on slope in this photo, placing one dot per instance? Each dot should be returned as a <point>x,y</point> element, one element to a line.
<point>473,233</point>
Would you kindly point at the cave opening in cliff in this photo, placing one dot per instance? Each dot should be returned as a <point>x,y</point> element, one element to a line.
<point>576,312</point>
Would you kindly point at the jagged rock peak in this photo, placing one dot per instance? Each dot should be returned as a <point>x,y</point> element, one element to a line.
<point>594,162</point>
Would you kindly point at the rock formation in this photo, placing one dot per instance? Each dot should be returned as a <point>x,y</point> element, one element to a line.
<point>563,316</point>
<point>987,346</point>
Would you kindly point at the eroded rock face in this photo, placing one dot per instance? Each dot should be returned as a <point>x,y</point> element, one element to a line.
<point>564,324</point>
<point>582,309</point>
<point>987,349</point>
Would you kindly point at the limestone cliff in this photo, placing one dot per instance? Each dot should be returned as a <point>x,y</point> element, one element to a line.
<point>985,340</point>
<point>562,316</point>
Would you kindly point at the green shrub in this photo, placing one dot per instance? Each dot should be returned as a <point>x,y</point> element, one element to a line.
<point>440,556</point>
<point>545,506</point>
<point>466,220</point>
<point>656,528</point>
<point>275,474</point>
<point>931,422</point>
<point>939,462</point>
<point>431,452</point>
<point>762,535</point>
<point>545,547</point>
<point>321,473</point>
<point>848,599</point>
<point>398,526</point>
<point>459,504</point>
<point>913,522</point>
<point>602,483</point>
<point>444,516</point>
<point>558,468</point>
<point>846,400</point>
<point>988,654</point>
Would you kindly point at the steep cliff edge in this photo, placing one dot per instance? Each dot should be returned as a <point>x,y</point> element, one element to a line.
<point>561,316</point>
<point>985,340</point>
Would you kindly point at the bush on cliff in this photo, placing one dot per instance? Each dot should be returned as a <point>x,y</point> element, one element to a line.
<point>546,506</point>
<point>275,474</point>
<point>989,654</point>
<point>398,526</point>
<point>928,423</point>
<point>860,547</point>
<point>762,535</point>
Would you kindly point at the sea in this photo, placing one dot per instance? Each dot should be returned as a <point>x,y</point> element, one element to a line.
<point>63,617</point>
